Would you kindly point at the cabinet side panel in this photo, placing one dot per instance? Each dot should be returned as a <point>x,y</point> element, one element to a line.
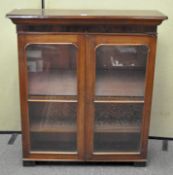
<point>148,93</point>
<point>23,95</point>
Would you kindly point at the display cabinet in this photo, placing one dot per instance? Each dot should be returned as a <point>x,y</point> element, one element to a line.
<point>86,80</point>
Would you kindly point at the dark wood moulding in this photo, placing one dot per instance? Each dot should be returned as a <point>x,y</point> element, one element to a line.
<point>91,21</point>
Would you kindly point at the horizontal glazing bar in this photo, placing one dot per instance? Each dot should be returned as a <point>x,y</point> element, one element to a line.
<point>118,101</point>
<point>52,100</point>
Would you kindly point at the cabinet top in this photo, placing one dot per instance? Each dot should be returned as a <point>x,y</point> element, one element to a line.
<point>52,16</point>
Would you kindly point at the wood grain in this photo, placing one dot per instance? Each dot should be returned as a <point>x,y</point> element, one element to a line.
<point>86,30</point>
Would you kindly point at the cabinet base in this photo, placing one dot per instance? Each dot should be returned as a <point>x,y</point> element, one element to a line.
<point>140,164</point>
<point>28,163</point>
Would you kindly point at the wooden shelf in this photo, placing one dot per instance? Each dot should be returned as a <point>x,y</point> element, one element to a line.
<point>53,83</point>
<point>56,127</point>
<point>117,128</point>
<point>71,128</point>
<point>52,98</point>
<point>116,142</point>
<point>120,83</point>
<point>109,83</point>
<point>53,142</point>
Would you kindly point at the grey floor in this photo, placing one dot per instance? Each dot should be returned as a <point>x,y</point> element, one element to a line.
<point>159,163</point>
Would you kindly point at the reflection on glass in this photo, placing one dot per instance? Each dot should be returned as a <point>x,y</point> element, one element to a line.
<point>52,69</point>
<point>53,126</point>
<point>120,70</point>
<point>120,75</point>
<point>117,127</point>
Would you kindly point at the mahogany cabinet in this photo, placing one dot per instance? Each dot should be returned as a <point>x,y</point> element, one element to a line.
<point>86,80</point>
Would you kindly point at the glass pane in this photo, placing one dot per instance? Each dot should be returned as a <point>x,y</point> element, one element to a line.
<point>53,126</point>
<point>120,70</point>
<point>117,127</point>
<point>52,69</point>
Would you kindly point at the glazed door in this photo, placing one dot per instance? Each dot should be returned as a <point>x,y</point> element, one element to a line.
<point>52,96</point>
<point>119,82</point>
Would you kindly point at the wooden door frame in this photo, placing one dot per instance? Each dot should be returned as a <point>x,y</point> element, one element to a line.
<point>92,41</point>
<point>24,40</point>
